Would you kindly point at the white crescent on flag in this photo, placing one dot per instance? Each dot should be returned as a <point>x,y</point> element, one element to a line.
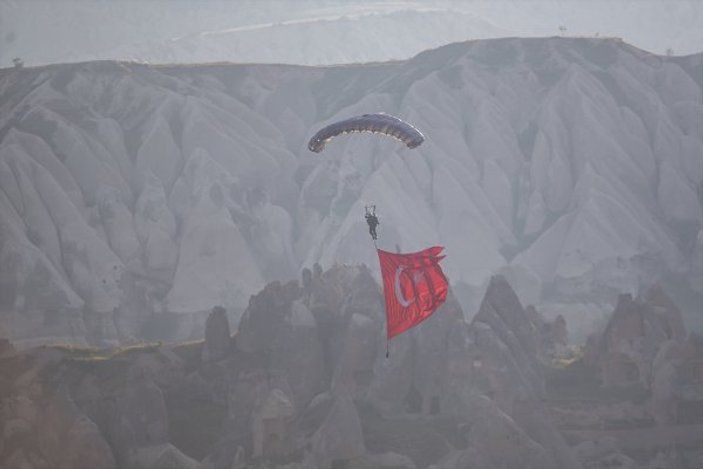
<point>399,291</point>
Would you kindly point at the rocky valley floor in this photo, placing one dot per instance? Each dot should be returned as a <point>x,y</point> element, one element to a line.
<point>303,383</point>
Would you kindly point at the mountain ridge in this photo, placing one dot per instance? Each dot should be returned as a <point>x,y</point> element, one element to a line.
<point>531,144</point>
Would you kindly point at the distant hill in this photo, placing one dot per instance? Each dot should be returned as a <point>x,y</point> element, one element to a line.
<point>322,32</point>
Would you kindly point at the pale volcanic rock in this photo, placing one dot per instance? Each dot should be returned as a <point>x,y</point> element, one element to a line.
<point>119,225</point>
<point>156,227</point>
<point>213,251</point>
<point>569,164</point>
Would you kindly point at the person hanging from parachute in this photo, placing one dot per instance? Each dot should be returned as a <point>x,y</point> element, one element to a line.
<point>414,285</point>
<point>372,220</point>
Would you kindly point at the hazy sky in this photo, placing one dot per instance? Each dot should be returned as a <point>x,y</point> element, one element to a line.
<point>42,31</point>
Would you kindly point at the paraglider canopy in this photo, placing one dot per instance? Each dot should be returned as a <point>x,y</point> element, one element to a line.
<point>375,123</point>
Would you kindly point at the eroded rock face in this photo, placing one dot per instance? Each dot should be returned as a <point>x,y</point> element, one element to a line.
<point>423,366</point>
<point>213,251</point>
<point>247,393</point>
<point>443,366</point>
<point>213,158</point>
<point>217,335</point>
<point>677,381</point>
<point>6,348</point>
<point>69,408</point>
<point>389,460</point>
<point>626,350</point>
<point>504,443</point>
<point>554,334</point>
<point>503,329</point>
<point>496,440</point>
<point>354,351</point>
<point>452,393</point>
<point>279,325</point>
<point>68,438</point>
<point>155,226</point>
<point>604,452</point>
<point>84,446</point>
<point>272,425</point>
<point>339,439</point>
<point>507,356</point>
<point>667,312</point>
<point>163,456</point>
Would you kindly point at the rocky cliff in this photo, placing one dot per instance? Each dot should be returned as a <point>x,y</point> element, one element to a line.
<point>304,383</point>
<point>134,198</point>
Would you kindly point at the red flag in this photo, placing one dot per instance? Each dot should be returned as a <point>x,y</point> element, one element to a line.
<point>414,286</point>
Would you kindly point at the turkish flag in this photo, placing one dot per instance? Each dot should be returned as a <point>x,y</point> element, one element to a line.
<point>414,286</point>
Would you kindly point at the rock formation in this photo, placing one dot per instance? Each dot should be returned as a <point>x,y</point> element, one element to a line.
<point>304,383</point>
<point>121,221</point>
<point>625,352</point>
<point>279,326</point>
<point>677,382</point>
<point>217,335</point>
<point>636,393</point>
